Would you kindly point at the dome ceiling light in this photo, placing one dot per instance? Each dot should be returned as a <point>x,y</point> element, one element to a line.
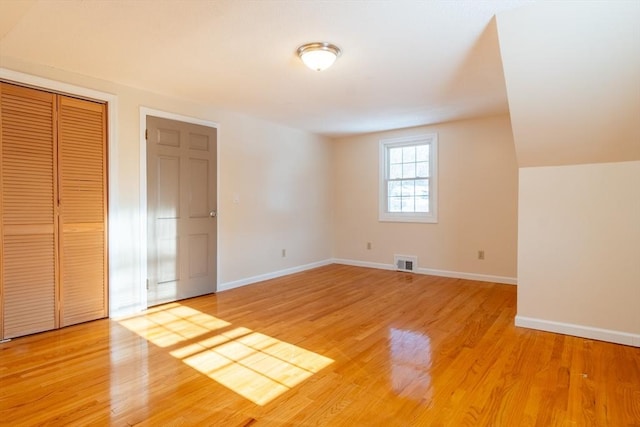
<point>319,56</point>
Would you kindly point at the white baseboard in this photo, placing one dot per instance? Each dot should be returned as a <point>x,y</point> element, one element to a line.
<point>272,275</point>
<point>366,264</point>
<point>579,331</point>
<point>127,311</point>
<point>470,276</point>
<point>432,272</point>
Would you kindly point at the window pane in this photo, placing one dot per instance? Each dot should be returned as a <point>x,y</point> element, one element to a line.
<point>422,204</point>
<point>409,170</point>
<point>395,204</point>
<point>407,188</point>
<point>395,155</point>
<point>408,154</point>
<point>422,169</point>
<point>395,171</point>
<point>422,153</point>
<point>408,204</point>
<point>422,187</point>
<point>394,189</point>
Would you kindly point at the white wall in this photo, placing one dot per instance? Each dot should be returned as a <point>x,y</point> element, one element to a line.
<point>278,174</point>
<point>579,249</point>
<point>477,203</point>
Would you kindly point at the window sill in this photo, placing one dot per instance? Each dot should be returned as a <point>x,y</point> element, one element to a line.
<point>428,219</point>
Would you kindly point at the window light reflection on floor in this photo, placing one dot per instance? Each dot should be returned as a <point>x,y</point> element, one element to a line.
<point>410,354</point>
<point>254,365</point>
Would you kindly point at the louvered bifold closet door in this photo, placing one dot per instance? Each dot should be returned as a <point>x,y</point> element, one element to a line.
<point>82,188</point>
<point>27,204</point>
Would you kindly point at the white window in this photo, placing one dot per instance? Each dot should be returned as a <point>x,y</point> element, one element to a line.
<point>409,179</point>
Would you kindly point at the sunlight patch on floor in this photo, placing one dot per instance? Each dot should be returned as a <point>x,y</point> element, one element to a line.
<point>253,365</point>
<point>170,324</point>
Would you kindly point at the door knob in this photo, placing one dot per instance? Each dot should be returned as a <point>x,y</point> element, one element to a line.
<point>212,214</point>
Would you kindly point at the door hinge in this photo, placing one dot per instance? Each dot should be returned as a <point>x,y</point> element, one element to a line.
<point>146,134</point>
<point>147,284</point>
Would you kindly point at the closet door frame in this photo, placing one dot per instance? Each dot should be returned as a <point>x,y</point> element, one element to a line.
<point>112,204</point>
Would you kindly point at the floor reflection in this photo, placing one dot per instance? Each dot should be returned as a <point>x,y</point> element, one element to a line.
<point>410,353</point>
<point>254,365</point>
<point>128,374</point>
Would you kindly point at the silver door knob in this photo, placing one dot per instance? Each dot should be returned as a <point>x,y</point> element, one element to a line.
<point>212,214</point>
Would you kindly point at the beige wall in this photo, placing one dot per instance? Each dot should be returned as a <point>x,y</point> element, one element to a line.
<point>579,245</point>
<point>279,175</point>
<point>477,201</point>
<point>572,71</point>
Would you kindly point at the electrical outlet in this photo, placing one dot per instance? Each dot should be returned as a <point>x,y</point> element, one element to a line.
<point>369,246</point>
<point>481,254</point>
<point>284,253</point>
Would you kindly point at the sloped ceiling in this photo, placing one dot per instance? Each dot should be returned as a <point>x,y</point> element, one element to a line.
<point>572,71</point>
<point>405,62</point>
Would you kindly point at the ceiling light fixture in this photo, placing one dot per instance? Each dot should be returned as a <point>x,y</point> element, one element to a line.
<point>319,55</point>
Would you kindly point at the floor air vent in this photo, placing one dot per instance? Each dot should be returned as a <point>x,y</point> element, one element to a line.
<point>405,263</point>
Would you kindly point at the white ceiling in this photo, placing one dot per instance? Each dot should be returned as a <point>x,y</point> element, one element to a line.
<point>404,63</point>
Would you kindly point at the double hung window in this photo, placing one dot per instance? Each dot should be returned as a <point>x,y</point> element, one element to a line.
<point>408,179</point>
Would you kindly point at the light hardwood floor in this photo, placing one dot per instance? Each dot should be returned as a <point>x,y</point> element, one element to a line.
<point>336,346</point>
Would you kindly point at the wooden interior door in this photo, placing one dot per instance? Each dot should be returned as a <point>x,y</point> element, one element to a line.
<point>83,210</point>
<point>181,205</point>
<point>28,204</point>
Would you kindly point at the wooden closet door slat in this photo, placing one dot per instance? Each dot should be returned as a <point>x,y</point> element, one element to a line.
<point>28,206</point>
<point>82,187</point>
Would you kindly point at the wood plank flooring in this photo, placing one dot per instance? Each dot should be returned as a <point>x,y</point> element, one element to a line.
<point>333,346</point>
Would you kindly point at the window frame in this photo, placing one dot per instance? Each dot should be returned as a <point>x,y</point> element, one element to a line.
<point>384,146</point>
